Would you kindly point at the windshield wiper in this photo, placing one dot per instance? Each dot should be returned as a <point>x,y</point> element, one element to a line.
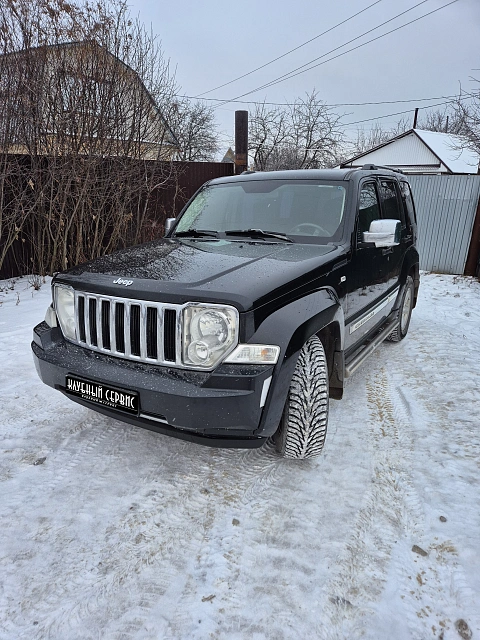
<point>258,233</point>
<point>196,233</point>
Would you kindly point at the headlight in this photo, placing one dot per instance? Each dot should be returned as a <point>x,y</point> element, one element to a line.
<point>65,308</point>
<point>209,333</point>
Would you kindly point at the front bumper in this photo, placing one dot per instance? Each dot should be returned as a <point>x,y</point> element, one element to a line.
<point>219,408</point>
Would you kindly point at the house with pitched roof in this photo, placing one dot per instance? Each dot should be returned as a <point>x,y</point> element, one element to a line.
<point>445,180</point>
<point>421,152</point>
<point>79,98</point>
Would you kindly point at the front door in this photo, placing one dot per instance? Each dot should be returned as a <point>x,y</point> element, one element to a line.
<point>370,274</point>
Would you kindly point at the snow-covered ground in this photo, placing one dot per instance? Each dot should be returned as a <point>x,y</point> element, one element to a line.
<point>113,532</point>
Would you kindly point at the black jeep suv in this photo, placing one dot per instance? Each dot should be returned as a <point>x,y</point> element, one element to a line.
<point>267,292</point>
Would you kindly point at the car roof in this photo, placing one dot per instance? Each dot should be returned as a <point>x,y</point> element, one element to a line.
<point>305,174</point>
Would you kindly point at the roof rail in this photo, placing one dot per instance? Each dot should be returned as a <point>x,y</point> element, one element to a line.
<point>373,167</point>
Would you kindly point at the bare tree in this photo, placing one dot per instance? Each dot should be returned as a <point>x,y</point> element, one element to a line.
<point>304,135</point>
<point>194,126</point>
<point>80,127</point>
<point>467,112</point>
<point>376,136</point>
<point>442,120</point>
<point>461,118</point>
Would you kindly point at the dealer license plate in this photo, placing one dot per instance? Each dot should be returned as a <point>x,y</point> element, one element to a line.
<point>111,397</point>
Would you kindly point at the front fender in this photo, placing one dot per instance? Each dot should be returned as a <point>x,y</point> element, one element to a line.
<point>289,328</point>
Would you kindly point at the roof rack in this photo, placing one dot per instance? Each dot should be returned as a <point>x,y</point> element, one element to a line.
<point>373,167</point>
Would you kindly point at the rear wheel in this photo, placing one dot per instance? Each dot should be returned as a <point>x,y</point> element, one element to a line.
<point>404,312</point>
<point>303,426</point>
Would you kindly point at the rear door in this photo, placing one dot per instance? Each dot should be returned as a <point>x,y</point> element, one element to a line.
<point>392,209</point>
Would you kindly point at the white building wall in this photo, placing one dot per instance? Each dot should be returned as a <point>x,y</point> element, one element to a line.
<point>405,152</point>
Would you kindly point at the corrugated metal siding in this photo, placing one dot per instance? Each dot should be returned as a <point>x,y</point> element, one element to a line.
<point>446,207</point>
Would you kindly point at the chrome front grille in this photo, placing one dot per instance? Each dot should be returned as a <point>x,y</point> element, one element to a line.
<point>133,329</point>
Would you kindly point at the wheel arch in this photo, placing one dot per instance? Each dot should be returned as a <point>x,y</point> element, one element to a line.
<point>411,267</point>
<point>331,337</point>
<point>319,313</point>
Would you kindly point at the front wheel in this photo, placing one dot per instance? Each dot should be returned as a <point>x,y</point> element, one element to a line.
<point>404,312</point>
<point>303,426</point>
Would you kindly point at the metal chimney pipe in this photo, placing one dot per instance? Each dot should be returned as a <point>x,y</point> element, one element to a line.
<point>241,141</point>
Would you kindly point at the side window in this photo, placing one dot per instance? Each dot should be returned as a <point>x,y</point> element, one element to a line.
<point>408,202</point>
<point>390,202</point>
<point>368,208</point>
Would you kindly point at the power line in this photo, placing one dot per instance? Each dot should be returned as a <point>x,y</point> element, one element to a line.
<point>292,74</point>
<point>225,84</point>
<point>289,74</point>
<point>389,115</point>
<point>337,48</point>
<point>336,104</point>
<point>398,113</point>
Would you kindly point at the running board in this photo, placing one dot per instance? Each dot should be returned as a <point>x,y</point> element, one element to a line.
<point>353,365</point>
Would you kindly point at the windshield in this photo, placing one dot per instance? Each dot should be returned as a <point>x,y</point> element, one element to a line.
<point>305,210</point>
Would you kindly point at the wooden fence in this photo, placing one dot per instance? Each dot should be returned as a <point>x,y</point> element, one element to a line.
<point>165,201</point>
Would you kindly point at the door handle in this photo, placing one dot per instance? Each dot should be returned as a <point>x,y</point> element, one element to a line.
<point>387,250</point>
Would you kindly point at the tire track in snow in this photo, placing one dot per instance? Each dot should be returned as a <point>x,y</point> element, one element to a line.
<point>132,547</point>
<point>390,511</point>
<point>274,521</point>
<point>235,480</point>
<point>430,598</point>
<point>101,436</point>
<point>200,514</point>
<point>391,520</point>
<point>139,555</point>
<point>441,589</point>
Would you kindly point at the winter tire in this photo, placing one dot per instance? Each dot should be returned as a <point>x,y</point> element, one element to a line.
<point>404,312</point>
<point>303,426</point>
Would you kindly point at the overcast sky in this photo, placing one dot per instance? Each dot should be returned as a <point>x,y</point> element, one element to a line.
<point>212,42</point>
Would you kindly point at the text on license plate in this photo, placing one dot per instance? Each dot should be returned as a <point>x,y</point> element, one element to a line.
<point>102,394</point>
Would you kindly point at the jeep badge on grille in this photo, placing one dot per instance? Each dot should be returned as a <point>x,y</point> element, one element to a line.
<point>127,283</point>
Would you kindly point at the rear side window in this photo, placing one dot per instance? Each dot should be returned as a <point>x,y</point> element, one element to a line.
<point>408,202</point>
<point>390,201</point>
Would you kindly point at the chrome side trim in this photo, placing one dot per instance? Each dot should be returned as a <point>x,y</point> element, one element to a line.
<point>373,312</point>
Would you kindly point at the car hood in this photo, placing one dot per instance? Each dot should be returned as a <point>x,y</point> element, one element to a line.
<point>245,274</point>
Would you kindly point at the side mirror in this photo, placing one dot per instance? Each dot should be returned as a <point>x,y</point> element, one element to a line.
<point>383,233</point>
<point>169,222</point>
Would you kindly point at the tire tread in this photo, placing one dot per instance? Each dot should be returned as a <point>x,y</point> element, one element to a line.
<point>396,334</point>
<point>304,423</point>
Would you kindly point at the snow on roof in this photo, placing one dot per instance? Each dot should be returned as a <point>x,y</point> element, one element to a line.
<point>421,151</point>
<point>448,149</point>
